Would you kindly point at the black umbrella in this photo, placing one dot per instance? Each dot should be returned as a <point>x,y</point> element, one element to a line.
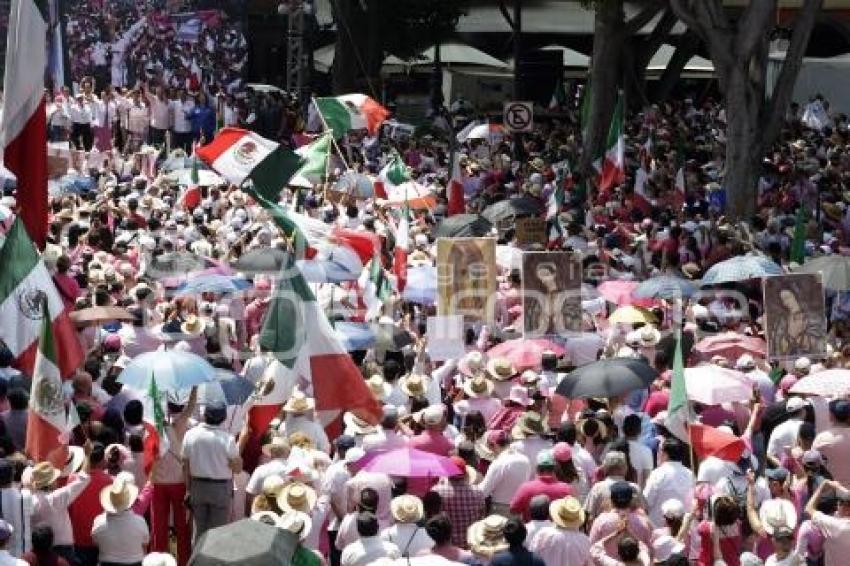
<point>245,542</point>
<point>512,208</point>
<point>177,264</point>
<point>607,378</point>
<point>463,225</point>
<point>261,260</point>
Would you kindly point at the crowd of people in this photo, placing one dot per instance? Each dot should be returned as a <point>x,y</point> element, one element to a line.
<point>537,478</point>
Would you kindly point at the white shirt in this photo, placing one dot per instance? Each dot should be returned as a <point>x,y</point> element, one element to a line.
<point>79,113</point>
<point>333,485</point>
<point>410,538</point>
<point>276,467</point>
<point>530,447</point>
<point>377,481</point>
<point>785,434</point>
<point>584,462</point>
<point>160,115</point>
<point>366,550</point>
<point>487,406</point>
<point>17,507</point>
<point>508,471</point>
<point>555,545</point>
<point>670,480</point>
<point>313,430</point>
<point>51,507</point>
<point>7,559</point>
<point>120,537</point>
<point>179,109</point>
<point>384,440</point>
<point>641,459</point>
<point>533,527</point>
<point>209,450</point>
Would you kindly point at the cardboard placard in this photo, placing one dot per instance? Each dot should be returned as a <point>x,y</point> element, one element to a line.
<point>445,337</point>
<point>531,231</point>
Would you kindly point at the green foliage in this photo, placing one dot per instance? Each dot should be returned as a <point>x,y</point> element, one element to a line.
<point>409,26</point>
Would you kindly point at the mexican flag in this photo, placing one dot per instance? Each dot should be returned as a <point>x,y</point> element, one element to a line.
<point>46,419</point>
<point>298,333</point>
<point>375,288</point>
<point>23,120</point>
<point>24,285</point>
<point>191,197</point>
<point>677,409</point>
<point>155,441</point>
<point>315,155</point>
<point>454,192</point>
<point>240,155</point>
<point>402,242</point>
<point>611,168</point>
<point>394,173</point>
<point>272,391</point>
<point>351,112</point>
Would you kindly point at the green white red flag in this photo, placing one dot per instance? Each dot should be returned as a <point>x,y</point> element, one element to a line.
<point>351,112</point>
<point>611,168</point>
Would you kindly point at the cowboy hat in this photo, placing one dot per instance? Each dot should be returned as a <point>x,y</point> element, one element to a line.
<point>296,522</point>
<point>120,495</point>
<point>649,336</point>
<point>477,387</point>
<point>193,326</point>
<point>278,447</point>
<point>407,509</point>
<point>487,536</point>
<point>471,363</point>
<point>74,462</point>
<point>44,475</point>
<point>379,387</point>
<point>529,424</point>
<point>299,403</point>
<point>297,496</point>
<point>414,385</point>
<point>567,513</point>
<point>501,369</point>
<point>357,425</point>
<point>777,513</point>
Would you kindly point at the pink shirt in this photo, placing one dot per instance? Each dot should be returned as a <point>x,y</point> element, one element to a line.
<point>542,484</point>
<point>836,532</point>
<point>834,445</point>
<point>609,522</point>
<point>433,442</point>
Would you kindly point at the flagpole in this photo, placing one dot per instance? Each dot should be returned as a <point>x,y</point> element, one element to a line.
<point>327,128</point>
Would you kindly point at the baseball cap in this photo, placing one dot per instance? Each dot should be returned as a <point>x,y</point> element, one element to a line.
<point>562,452</point>
<point>545,458</point>
<point>776,474</point>
<point>794,404</point>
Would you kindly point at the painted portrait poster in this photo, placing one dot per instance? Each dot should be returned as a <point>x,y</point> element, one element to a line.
<point>551,294</point>
<point>466,278</point>
<point>795,316</point>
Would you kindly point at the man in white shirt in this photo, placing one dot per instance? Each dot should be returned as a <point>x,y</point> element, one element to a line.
<point>210,458</point>
<point>81,112</point>
<point>670,480</point>
<point>369,547</point>
<point>16,509</point>
<point>640,455</point>
<point>6,534</point>
<point>278,451</point>
<point>299,411</point>
<point>181,126</point>
<point>784,435</point>
<point>160,116</point>
<point>387,437</point>
<point>334,486</point>
<point>121,535</point>
<point>508,470</point>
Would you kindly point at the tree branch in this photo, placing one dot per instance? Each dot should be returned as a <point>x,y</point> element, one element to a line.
<point>507,15</point>
<point>636,23</point>
<point>686,12</point>
<point>753,25</point>
<point>772,111</point>
<point>651,43</point>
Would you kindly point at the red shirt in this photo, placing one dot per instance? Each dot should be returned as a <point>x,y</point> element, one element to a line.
<point>433,442</point>
<point>657,402</point>
<point>87,506</point>
<point>546,484</point>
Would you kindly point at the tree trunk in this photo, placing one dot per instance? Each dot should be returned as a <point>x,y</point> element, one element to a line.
<point>605,78</point>
<point>743,147</point>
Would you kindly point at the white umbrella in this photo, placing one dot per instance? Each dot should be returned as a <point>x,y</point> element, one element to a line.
<point>713,385</point>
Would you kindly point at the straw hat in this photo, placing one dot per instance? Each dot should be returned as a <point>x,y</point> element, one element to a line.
<point>567,513</point>
<point>269,518</point>
<point>357,425</point>
<point>477,387</point>
<point>297,496</point>
<point>649,336</point>
<point>297,523</point>
<point>501,369</point>
<point>471,364</point>
<point>74,462</point>
<point>777,513</point>
<point>529,424</point>
<point>414,385</point>
<point>407,509</point>
<point>299,403</point>
<point>529,378</point>
<point>379,387</point>
<point>272,485</point>
<point>44,475</point>
<point>193,326</point>
<point>487,536</point>
<point>278,447</point>
<point>120,495</point>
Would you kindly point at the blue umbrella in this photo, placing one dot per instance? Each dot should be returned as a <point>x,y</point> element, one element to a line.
<point>341,264</point>
<point>421,285</point>
<point>229,387</point>
<point>213,283</point>
<point>741,268</point>
<point>665,287</point>
<point>173,370</point>
<point>355,335</point>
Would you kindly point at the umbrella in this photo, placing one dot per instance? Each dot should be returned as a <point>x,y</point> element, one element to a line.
<point>355,335</point>
<point>713,385</point>
<point>741,268</point>
<point>834,269</point>
<point>511,208</point>
<point>228,387</point>
<point>247,543</point>
<point>173,370</point>
<point>607,378</point>
<point>421,285</point>
<point>509,257</point>
<point>709,441</point>
<point>206,178</point>
<point>631,315</point>
<point>177,264</point>
<point>410,463</point>
<point>489,132</point>
<point>342,264</point>
<point>213,283</point>
<point>665,287</point>
<point>617,291</point>
<point>731,346</point>
<point>261,260</point>
<point>98,315</point>
<point>356,184</point>
<point>463,225</point>
<point>827,383</point>
<point>410,193</point>
<point>525,354</point>
<point>391,338</point>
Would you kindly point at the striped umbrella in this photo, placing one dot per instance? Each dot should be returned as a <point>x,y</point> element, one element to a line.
<point>741,268</point>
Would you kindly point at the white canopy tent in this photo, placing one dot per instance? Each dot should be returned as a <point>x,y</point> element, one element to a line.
<point>696,67</point>
<point>323,59</point>
<point>827,76</point>
<point>455,53</point>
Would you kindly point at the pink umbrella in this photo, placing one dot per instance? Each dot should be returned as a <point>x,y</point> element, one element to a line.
<point>713,385</point>
<point>620,293</point>
<point>731,346</point>
<point>525,354</point>
<point>410,463</point>
<point>831,382</point>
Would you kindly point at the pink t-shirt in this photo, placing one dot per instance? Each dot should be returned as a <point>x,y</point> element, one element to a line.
<point>836,532</point>
<point>834,445</point>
